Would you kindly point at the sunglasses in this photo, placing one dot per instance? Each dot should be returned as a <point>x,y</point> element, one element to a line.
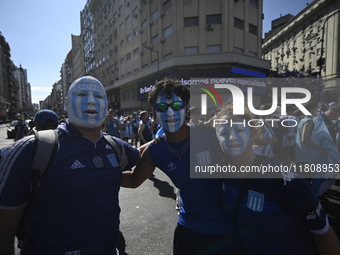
<point>163,107</point>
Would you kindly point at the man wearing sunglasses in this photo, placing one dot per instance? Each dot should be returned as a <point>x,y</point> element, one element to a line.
<point>203,227</point>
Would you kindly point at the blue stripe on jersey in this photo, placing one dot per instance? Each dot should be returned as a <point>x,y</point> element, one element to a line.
<point>10,157</point>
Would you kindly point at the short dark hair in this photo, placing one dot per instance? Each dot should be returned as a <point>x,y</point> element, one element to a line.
<point>166,87</point>
<point>310,105</point>
<point>335,108</point>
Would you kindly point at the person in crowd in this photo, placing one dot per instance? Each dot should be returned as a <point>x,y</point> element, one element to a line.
<point>304,144</point>
<point>45,119</point>
<point>264,145</point>
<point>135,125</point>
<point>289,139</point>
<point>332,114</point>
<point>195,116</point>
<point>74,209</point>
<point>144,129</point>
<point>105,128</point>
<point>203,227</point>
<point>127,129</point>
<point>21,129</point>
<point>277,213</point>
<point>114,126</point>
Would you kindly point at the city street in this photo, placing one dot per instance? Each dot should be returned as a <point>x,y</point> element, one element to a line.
<point>148,214</point>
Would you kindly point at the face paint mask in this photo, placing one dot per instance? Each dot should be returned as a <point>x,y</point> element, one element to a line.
<point>86,102</point>
<point>171,120</point>
<point>233,140</point>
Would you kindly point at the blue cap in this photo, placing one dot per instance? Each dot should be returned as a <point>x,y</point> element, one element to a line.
<point>46,118</point>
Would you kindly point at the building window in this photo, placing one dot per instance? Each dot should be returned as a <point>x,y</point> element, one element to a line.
<point>127,20</point>
<point>115,33</point>
<point>122,61</point>
<point>190,50</point>
<point>154,15</point>
<point>254,3</point>
<point>128,38</point>
<point>144,24</point>
<point>191,22</point>
<point>136,52</point>
<point>167,31</point>
<point>214,48</point>
<point>120,9</point>
<point>128,57</point>
<point>121,26</point>
<point>238,23</point>
<point>169,55</point>
<point>253,54</point>
<point>239,50</point>
<point>121,43</point>
<point>214,19</point>
<point>252,29</point>
<point>154,40</point>
<point>135,12</point>
<point>136,32</point>
<point>167,5</point>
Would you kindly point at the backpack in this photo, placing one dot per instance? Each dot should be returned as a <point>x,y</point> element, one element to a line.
<point>45,146</point>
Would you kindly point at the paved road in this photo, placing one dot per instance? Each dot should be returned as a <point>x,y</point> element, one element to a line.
<point>149,217</point>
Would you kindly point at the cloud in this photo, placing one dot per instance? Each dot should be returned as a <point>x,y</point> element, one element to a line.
<point>40,93</point>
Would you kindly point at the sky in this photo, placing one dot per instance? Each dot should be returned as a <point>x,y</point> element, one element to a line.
<point>39,34</point>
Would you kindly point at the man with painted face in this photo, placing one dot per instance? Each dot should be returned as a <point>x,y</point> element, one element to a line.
<point>74,209</point>
<point>203,227</point>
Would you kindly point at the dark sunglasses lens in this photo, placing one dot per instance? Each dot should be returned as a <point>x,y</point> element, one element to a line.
<point>161,107</point>
<point>176,106</point>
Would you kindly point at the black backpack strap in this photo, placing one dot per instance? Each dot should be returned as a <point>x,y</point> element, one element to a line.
<point>46,143</point>
<point>45,146</point>
<point>120,151</point>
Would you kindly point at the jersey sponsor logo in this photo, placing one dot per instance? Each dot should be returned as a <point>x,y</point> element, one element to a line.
<point>77,165</point>
<point>203,158</point>
<point>113,160</point>
<point>171,166</point>
<point>255,201</point>
<point>98,162</point>
<point>73,252</point>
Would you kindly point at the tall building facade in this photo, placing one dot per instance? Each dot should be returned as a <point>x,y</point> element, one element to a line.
<point>8,84</point>
<point>129,45</point>
<point>307,44</point>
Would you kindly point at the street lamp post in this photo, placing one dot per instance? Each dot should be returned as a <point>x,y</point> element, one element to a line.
<point>150,49</point>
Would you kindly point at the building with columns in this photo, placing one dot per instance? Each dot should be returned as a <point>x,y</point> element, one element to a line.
<point>307,44</point>
<point>129,45</point>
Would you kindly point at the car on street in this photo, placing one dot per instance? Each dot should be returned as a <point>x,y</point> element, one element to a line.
<point>11,133</point>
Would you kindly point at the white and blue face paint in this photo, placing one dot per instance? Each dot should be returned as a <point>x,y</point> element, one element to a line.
<point>86,102</point>
<point>170,120</point>
<point>233,140</point>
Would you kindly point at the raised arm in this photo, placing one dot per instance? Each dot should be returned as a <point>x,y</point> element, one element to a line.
<point>144,168</point>
<point>327,243</point>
